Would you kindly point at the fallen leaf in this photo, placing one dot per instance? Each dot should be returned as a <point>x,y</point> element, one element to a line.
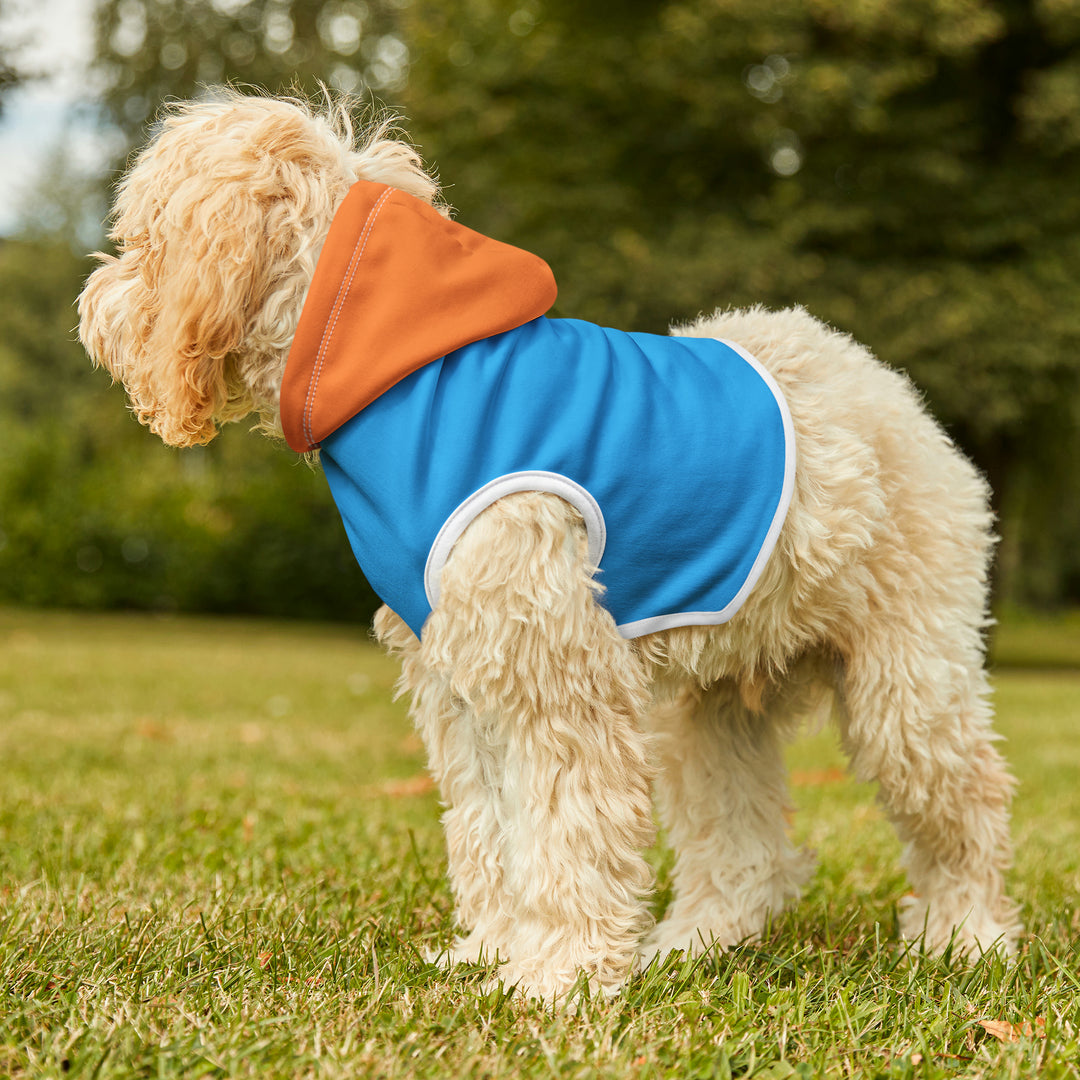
<point>414,785</point>
<point>815,777</point>
<point>147,728</point>
<point>1007,1032</point>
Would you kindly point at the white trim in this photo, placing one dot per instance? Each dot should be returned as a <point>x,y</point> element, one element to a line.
<point>510,484</point>
<point>686,618</point>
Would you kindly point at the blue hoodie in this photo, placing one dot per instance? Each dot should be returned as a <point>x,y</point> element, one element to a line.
<point>678,452</point>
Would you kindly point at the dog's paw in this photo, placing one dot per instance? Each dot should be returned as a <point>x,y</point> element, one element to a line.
<point>967,931</point>
<point>563,989</point>
<point>677,936</point>
<point>467,950</point>
<point>717,919</point>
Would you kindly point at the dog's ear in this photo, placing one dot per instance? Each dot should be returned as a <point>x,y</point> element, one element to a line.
<point>169,316</point>
<point>212,225</point>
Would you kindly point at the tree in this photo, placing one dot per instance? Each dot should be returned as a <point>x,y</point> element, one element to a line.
<point>10,75</point>
<point>152,50</point>
<point>909,171</point>
<point>235,528</point>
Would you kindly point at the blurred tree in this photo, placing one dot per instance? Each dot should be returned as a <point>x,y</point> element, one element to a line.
<point>152,50</point>
<point>236,527</point>
<point>908,170</point>
<point>9,77</point>
<point>233,527</point>
<point>10,74</point>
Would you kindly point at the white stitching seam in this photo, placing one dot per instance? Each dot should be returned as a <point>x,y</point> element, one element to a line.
<point>339,303</point>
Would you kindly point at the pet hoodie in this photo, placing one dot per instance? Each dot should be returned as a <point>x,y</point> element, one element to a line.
<point>425,371</point>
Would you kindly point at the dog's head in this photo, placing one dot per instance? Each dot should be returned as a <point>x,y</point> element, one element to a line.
<point>218,225</point>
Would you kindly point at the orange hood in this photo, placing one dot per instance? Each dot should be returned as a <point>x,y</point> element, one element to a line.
<point>396,286</point>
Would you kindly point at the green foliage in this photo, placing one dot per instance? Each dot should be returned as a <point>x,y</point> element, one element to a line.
<point>232,528</point>
<point>906,170</point>
<point>151,50</point>
<point>10,75</point>
<point>9,78</point>
<point>95,512</point>
<point>1025,640</point>
<point>210,866</point>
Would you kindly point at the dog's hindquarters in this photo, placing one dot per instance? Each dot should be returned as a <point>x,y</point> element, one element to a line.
<point>916,719</point>
<point>914,703</point>
<point>529,700</point>
<point>883,564</point>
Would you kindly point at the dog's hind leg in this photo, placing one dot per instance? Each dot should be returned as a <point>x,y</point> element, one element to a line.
<point>915,718</point>
<point>549,788</point>
<point>722,794</point>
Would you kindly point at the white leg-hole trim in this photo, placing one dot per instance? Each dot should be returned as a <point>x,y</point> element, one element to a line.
<point>511,484</point>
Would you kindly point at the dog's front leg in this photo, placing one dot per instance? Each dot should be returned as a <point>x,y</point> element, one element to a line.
<point>463,758</point>
<point>534,738</point>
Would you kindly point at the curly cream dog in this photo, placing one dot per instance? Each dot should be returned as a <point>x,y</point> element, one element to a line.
<point>545,726</point>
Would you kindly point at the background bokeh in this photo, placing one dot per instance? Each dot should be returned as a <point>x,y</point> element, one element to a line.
<point>908,170</point>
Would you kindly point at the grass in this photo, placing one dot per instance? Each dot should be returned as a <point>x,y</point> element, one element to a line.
<point>1023,639</point>
<point>219,857</point>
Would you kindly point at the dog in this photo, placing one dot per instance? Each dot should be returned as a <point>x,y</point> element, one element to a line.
<point>270,259</point>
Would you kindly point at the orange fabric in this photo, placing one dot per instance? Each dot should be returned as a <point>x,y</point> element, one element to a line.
<point>397,286</point>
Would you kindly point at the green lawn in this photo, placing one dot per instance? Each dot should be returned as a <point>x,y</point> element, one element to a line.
<point>219,857</point>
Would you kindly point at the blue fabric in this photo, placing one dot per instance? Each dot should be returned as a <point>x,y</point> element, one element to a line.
<point>683,443</point>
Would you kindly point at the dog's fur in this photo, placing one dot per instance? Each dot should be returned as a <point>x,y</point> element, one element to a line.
<point>545,729</point>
